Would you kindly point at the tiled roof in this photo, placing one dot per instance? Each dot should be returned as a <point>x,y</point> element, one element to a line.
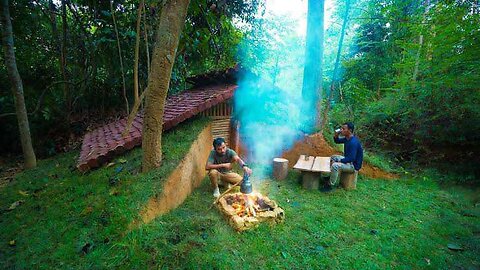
<point>102,144</point>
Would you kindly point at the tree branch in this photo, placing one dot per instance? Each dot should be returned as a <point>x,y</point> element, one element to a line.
<point>42,97</point>
<point>209,27</point>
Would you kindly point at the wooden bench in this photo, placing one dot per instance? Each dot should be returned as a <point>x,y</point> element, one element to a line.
<point>312,169</point>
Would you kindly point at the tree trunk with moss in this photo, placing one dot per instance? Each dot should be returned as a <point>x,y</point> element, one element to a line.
<point>171,22</point>
<point>17,86</point>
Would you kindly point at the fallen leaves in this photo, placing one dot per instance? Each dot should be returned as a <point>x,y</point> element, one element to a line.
<point>87,248</point>
<point>15,205</point>
<point>113,181</point>
<point>118,169</point>
<point>470,213</point>
<point>114,192</point>
<point>454,247</point>
<point>318,249</point>
<point>87,210</point>
<point>110,164</point>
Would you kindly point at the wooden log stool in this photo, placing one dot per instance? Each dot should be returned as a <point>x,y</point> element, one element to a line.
<point>280,168</point>
<point>348,180</point>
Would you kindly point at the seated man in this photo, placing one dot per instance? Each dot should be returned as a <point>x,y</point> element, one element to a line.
<point>351,162</point>
<point>219,165</point>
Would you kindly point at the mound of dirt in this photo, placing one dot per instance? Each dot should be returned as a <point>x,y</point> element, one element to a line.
<point>315,145</point>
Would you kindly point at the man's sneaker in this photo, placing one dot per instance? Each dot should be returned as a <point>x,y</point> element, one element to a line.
<point>216,193</point>
<point>327,188</point>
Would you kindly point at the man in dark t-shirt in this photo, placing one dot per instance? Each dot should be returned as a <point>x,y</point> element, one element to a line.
<point>219,165</point>
<point>353,159</point>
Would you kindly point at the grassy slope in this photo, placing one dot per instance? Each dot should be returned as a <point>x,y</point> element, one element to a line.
<point>66,211</point>
<point>400,224</point>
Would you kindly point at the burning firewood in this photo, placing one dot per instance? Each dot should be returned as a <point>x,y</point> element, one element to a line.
<point>249,206</point>
<point>223,194</point>
<point>245,211</point>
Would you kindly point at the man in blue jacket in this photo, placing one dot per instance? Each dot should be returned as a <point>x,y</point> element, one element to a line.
<point>351,162</point>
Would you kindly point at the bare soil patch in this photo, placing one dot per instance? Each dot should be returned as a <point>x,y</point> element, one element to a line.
<point>315,145</point>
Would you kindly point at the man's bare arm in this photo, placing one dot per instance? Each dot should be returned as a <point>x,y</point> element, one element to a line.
<point>242,164</point>
<point>210,166</point>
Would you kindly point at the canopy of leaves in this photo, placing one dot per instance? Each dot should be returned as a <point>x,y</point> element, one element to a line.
<point>433,111</point>
<point>93,73</point>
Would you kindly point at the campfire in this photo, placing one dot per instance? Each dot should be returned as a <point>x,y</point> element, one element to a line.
<point>245,211</point>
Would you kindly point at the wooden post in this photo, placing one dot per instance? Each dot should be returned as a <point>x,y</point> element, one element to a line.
<point>310,180</point>
<point>280,168</point>
<point>348,180</point>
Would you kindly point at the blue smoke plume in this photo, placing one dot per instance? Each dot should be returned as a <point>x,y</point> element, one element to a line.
<point>268,102</point>
<point>269,118</point>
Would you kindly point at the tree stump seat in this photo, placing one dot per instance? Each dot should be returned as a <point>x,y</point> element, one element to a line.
<point>348,180</point>
<point>280,168</point>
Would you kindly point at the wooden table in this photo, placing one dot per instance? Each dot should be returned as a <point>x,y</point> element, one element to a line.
<point>312,169</point>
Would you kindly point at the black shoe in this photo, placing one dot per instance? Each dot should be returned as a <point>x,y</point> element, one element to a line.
<point>327,188</point>
<point>325,180</point>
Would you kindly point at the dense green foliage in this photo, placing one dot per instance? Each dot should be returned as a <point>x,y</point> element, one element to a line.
<point>411,79</point>
<point>93,84</point>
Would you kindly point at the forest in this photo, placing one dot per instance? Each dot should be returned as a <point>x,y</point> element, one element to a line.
<point>405,72</point>
<point>408,72</point>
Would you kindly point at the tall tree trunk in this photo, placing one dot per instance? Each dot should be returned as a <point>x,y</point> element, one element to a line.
<point>337,64</point>
<point>137,53</point>
<point>17,86</point>
<point>420,44</point>
<point>60,47</point>
<point>86,61</point>
<point>147,49</point>
<point>63,60</point>
<point>120,57</point>
<point>137,100</point>
<point>312,74</point>
<point>53,22</point>
<point>145,30</point>
<point>171,22</point>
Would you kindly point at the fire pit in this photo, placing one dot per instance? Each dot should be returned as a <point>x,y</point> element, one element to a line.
<point>246,211</point>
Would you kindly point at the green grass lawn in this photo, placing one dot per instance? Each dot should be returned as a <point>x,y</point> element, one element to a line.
<point>69,220</point>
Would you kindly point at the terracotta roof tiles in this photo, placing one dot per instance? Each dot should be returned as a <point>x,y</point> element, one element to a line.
<point>101,145</point>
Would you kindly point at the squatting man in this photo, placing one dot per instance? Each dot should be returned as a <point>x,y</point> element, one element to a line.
<point>351,162</point>
<point>220,163</point>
